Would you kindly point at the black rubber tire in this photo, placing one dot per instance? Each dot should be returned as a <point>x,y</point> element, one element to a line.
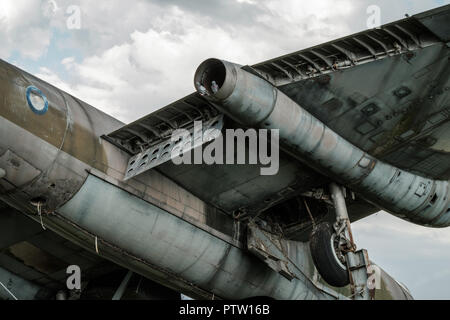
<point>324,258</point>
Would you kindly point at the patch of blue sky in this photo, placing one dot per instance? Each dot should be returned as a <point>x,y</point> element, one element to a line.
<point>58,49</point>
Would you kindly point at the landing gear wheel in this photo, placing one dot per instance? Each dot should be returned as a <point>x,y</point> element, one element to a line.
<point>323,251</point>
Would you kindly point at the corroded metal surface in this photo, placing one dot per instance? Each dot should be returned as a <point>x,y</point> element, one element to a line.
<point>174,145</point>
<point>58,149</point>
<point>13,287</point>
<point>255,102</point>
<point>400,114</point>
<point>158,126</point>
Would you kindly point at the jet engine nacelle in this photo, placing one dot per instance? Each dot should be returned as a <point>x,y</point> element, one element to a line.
<point>253,101</point>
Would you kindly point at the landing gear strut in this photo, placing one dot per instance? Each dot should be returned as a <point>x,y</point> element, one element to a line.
<point>334,251</point>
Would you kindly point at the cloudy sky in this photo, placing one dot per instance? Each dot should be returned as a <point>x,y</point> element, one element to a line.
<point>129,58</point>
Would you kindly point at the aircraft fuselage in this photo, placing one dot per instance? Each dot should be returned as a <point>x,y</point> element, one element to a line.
<point>58,169</point>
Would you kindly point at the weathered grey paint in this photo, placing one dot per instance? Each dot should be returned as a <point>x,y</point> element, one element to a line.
<point>193,254</point>
<point>181,242</point>
<point>253,101</point>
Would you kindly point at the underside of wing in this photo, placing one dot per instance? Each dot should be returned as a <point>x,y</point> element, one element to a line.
<point>384,90</point>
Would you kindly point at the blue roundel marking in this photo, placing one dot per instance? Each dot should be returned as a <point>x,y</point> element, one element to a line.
<point>40,111</point>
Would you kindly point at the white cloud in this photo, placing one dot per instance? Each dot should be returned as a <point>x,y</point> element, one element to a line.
<point>146,58</point>
<point>23,28</point>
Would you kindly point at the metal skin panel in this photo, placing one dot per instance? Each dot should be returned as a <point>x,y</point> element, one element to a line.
<point>159,125</point>
<point>361,48</point>
<point>385,90</point>
<point>52,150</point>
<point>411,197</point>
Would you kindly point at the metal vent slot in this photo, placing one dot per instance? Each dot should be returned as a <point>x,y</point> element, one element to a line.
<point>173,147</point>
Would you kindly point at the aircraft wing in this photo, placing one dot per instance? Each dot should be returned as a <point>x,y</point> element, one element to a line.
<point>385,90</point>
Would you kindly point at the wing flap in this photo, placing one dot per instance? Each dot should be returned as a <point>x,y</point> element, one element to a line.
<point>159,125</point>
<point>367,46</point>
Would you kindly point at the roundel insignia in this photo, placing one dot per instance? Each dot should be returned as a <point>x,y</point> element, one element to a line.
<point>37,101</point>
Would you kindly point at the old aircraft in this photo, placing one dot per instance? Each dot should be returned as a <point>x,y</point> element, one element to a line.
<point>362,124</point>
